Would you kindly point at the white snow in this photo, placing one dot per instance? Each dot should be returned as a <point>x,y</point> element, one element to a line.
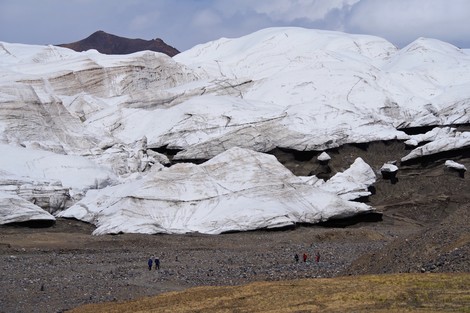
<point>455,165</point>
<point>388,167</point>
<point>445,141</point>
<point>352,183</point>
<point>72,171</point>
<point>324,157</point>
<point>14,209</point>
<point>82,121</point>
<point>435,133</point>
<point>237,190</point>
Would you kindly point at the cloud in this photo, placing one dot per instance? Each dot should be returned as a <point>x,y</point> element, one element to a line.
<point>143,21</point>
<point>284,11</point>
<point>185,23</point>
<point>403,21</point>
<point>310,10</point>
<point>206,19</point>
<point>236,18</point>
<point>399,21</point>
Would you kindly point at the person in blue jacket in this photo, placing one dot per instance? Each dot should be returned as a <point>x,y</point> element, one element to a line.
<point>150,262</point>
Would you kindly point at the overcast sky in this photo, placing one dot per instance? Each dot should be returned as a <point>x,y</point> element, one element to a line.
<point>185,23</point>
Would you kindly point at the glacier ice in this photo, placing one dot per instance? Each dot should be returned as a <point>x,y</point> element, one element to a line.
<point>83,126</point>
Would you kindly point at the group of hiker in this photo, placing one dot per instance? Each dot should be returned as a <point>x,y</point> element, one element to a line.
<point>305,257</point>
<point>153,260</point>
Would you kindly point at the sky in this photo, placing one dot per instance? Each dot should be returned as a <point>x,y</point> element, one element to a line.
<point>186,23</point>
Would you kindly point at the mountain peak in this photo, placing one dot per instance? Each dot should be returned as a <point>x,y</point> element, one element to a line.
<point>111,44</point>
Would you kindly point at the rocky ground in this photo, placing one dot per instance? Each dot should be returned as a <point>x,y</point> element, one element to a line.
<point>424,227</point>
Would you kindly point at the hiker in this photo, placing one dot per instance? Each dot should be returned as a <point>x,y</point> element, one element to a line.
<point>305,257</point>
<point>157,263</point>
<point>296,257</point>
<point>150,263</point>
<point>317,257</point>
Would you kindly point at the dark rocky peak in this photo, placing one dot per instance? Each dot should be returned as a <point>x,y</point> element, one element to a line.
<point>112,44</point>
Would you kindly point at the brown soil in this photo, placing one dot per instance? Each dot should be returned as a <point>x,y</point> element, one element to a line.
<point>393,293</point>
<point>424,228</point>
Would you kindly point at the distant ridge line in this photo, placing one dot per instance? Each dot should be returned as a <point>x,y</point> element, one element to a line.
<point>111,44</point>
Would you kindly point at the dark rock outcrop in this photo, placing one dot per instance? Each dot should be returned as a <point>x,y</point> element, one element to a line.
<point>111,44</point>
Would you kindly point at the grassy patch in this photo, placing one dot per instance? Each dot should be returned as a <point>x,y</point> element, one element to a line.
<point>372,293</point>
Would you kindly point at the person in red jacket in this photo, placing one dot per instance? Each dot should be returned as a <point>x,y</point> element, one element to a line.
<point>305,257</point>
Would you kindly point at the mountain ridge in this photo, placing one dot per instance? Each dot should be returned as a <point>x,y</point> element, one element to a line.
<point>111,44</point>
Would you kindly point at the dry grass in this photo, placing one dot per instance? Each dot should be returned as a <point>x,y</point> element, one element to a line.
<point>372,293</point>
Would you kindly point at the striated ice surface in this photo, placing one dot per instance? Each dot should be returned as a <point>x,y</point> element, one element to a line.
<point>81,125</point>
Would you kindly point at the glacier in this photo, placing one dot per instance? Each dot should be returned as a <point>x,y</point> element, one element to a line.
<point>82,134</point>
<point>237,190</point>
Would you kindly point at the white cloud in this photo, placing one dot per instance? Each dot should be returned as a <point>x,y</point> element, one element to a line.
<point>402,21</point>
<point>285,11</point>
<point>143,21</point>
<point>206,19</point>
<point>288,11</point>
<point>184,23</point>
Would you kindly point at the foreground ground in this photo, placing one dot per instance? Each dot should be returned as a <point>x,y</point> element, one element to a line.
<point>51,270</point>
<point>379,293</point>
<point>424,229</point>
<point>60,268</point>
